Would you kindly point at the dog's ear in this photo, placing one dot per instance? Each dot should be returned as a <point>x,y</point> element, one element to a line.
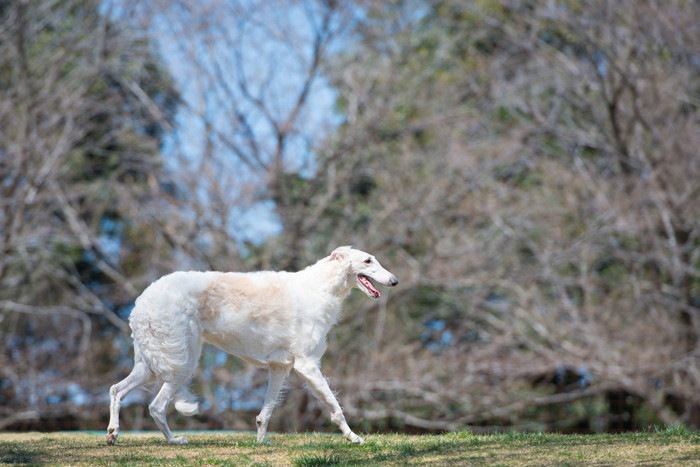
<point>339,253</point>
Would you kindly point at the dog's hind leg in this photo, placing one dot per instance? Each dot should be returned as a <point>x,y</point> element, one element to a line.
<point>139,376</point>
<point>310,372</point>
<point>159,408</point>
<point>274,385</point>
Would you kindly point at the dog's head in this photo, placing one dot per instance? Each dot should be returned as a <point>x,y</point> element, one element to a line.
<point>364,268</point>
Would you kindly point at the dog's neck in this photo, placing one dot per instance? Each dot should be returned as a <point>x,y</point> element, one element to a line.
<point>332,276</point>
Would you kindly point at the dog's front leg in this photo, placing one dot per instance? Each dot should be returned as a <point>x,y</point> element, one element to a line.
<point>310,372</point>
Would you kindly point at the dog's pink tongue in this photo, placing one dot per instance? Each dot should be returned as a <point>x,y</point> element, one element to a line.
<point>368,283</point>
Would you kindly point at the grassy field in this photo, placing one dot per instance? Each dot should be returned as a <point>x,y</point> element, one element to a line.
<point>669,447</point>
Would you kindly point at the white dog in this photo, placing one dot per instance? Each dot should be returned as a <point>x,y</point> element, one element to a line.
<point>277,320</point>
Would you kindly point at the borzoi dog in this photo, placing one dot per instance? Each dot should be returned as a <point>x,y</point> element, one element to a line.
<point>277,320</point>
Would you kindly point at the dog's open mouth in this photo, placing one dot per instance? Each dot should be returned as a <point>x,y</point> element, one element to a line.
<point>369,287</point>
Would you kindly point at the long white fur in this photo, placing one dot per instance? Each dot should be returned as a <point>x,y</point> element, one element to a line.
<point>277,320</point>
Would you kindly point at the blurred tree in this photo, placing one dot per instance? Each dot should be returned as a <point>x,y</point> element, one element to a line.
<point>518,164</point>
<point>83,106</point>
<point>254,106</point>
<point>530,171</point>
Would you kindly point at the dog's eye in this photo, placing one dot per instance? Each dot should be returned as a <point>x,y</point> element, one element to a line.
<point>368,261</point>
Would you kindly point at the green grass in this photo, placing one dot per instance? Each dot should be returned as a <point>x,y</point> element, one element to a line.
<point>674,446</point>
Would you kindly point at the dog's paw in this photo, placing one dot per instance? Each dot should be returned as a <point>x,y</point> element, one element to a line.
<point>112,436</point>
<point>178,440</point>
<point>355,439</point>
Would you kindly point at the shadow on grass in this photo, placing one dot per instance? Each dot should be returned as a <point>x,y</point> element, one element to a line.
<point>11,453</point>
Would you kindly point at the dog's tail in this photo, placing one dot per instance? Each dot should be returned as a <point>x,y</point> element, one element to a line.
<point>186,402</point>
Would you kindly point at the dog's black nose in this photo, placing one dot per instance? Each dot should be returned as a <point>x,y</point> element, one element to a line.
<point>393,281</point>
